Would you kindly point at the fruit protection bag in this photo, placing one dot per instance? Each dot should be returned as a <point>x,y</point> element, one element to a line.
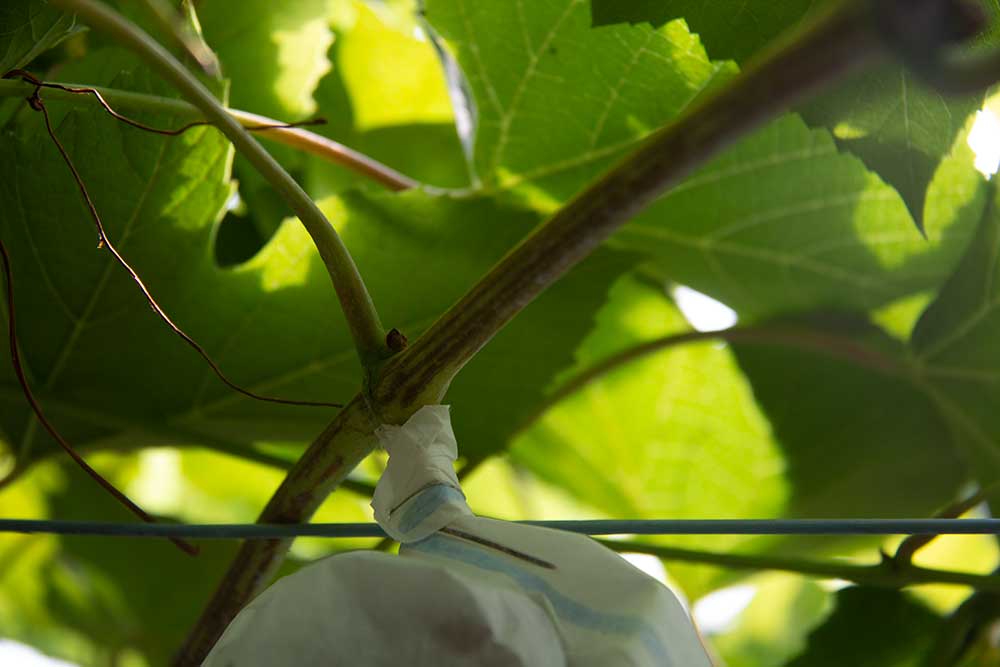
<point>463,591</point>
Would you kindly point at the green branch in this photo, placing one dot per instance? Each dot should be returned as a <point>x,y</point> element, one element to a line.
<point>359,310</point>
<point>888,573</point>
<point>309,142</point>
<point>323,466</point>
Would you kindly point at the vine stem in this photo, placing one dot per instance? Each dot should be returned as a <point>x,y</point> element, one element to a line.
<point>356,302</point>
<point>886,574</point>
<point>297,138</point>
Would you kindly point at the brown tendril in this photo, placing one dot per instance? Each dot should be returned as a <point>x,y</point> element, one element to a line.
<point>28,77</point>
<point>15,358</point>
<point>36,103</point>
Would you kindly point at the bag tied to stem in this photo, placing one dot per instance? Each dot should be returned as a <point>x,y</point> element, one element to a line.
<point>463,591</point>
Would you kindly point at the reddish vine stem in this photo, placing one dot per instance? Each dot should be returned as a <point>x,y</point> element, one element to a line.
<point>36,103</point>
<point>28,77</point>
<point>289,134</point>
<point>15,359</point>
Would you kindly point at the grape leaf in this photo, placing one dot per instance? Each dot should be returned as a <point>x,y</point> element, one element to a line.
<point>779,222</point>
<point>415,138</point>
<point>274,53</point>
<point>784,222</point>
<point>871,628</point>
<point>395,77</point>
<point>683,434</point>
<point>846,428</point>
<point>774,627</point>
<point>674,435</point>
<point>385,97</point>
<point>729,28</point>
<point>899,127</point>
<point>109,372</point>
<point>29,28</point>
<point>551,115</point>
<point>956,357</point>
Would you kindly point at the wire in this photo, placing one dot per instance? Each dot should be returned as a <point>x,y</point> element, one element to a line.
<point>255,531</point>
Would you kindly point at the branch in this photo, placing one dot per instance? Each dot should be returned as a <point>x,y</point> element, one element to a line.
<point>842,40</point>
<point>324,465</point>
<point>309,142</point>
<point>886,574</point>
<point>359,310</point>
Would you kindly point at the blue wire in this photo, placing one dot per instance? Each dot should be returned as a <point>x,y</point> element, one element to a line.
<point>600,527</point>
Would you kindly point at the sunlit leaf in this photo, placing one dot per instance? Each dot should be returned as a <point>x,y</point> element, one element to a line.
<point>899,127</point>
<point>274,53</point>
<point>784,222</point>
<point>551,114</point>
<point>774,627</point>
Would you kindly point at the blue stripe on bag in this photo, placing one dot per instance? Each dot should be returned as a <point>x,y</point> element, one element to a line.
<point>425,503</point>
<point>566,608</point>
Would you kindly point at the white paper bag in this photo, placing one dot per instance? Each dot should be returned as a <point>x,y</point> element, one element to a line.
<point>464,590</point>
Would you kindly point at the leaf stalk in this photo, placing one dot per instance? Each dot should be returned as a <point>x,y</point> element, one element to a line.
<point>309,142</point>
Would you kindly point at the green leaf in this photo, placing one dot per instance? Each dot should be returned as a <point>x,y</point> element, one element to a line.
<point>272,324</point>
<point>774,627</point>
<point>956,357</point>
<point>871,628</point>
<point>274,53</point>
<point>385,97</point>
<point>784,222</point>
<point>685,434</point>
<point>414,137</point>
<point>846,427</point>
<point>29,28</point>
<point>551,115</point>
<point>83,598</point>
<point>900,128</point>
<point>69,295</point>
<point>118,594</point>
<point>729,28</point>
<point>392,72</point>
<point>581,443</point>
<point>674,435</point>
